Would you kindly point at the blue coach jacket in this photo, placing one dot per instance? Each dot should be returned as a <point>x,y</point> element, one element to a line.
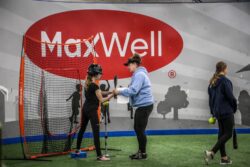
<point>139,91</point>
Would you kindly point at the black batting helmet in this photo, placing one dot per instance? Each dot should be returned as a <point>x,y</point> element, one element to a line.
<point>94,69</point>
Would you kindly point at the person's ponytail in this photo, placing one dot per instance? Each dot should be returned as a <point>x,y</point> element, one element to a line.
<point>220,67</point>
<point>88,81</point>
<point>137,59</point>
<point>213,80</point>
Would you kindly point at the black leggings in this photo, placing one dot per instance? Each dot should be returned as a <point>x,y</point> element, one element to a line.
<point>226,127</point>
<point>93,117</point>
<point>140,124</point>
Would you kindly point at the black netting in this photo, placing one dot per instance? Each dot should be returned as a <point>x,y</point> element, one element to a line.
<point>50,122</point>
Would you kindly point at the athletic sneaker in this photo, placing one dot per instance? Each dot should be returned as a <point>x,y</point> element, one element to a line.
<point>134,155</point>
<point>139,156</point>
<point>208,156</point>
<point>103,158</point>
<point>228,161</point>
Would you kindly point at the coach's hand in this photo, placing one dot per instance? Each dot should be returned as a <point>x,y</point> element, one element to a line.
<point>115,92</point>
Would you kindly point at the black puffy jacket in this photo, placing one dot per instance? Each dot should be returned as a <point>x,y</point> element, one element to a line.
<point>222,102</point>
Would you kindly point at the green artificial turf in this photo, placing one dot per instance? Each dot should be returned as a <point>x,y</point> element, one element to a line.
<point>167,151</point>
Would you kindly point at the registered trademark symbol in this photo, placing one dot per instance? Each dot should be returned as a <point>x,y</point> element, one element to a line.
<point>172,74</point>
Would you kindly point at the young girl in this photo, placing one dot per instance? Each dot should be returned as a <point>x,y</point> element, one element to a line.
<point>140,93</point>
<point>93,96</point>
<point>223,105</point>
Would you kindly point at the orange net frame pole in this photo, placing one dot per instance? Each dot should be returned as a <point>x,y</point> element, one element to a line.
<point>28,154</point>
<point>21,100</point>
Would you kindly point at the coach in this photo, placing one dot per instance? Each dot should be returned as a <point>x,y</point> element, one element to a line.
<point>140,93</point>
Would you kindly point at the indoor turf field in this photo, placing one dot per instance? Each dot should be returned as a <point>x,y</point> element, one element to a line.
<point>168,151</point>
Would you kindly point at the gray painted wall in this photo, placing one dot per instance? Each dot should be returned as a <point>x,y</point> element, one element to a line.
<point>211,32</point>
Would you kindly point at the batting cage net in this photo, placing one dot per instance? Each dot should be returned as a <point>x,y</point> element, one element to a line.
<point>50,97</point>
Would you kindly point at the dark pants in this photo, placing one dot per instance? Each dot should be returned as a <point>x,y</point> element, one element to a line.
<point>140,124</point>
<point>91,116</point>
<point>226,127</point>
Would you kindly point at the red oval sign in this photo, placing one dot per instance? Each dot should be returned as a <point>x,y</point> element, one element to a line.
<point>116,36</point>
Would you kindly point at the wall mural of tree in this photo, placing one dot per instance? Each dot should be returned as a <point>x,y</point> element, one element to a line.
<point>176,99</point>
<point>244,107</point>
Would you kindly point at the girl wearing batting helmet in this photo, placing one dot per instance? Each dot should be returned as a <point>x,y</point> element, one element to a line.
<point>93,97</point>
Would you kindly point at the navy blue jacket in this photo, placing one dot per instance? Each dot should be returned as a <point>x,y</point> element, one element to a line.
<point>222,102</point>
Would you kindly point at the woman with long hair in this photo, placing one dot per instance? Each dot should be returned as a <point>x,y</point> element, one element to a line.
<point>140,93</point>
<point>93,97</point>
<point>222,105</point>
